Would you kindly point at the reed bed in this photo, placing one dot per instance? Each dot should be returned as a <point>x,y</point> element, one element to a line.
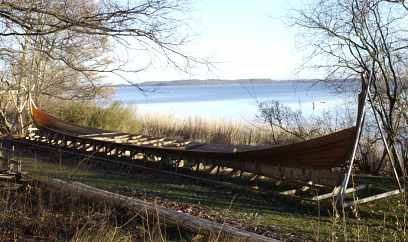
<point>119,117</point>
<point>210,131</point>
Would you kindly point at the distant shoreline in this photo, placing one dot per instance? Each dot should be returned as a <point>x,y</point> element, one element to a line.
<point>215,82</point>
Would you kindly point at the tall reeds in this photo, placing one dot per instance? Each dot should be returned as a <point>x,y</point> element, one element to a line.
<point>204,130</point>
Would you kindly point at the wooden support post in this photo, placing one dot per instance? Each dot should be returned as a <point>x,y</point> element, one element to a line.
<point>360,122</point>
<point>373,198</point>
<point>231,173</point>
<point>211,169</point>
<point>252,178</point>
<point>2,158</point>
<point>19,167</point>
<point>12,154</point>
<point>197,166</point>
<point>308,186</point>
<point>177,164</point>
<point>60,157</point>
<point>289,192</point>
<point>334,193</point>
<point>390,156</point>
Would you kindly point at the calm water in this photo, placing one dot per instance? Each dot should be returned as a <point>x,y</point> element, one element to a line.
<point>233,101</point>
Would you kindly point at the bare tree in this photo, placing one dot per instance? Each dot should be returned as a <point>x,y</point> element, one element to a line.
<point>152,24</point>
<point>282,120</point>
<point>61,48</point>
<point>348,36</point>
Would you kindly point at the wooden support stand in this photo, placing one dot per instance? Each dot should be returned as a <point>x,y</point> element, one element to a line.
<point>343,189</point>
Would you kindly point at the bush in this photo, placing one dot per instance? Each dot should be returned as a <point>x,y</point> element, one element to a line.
<point>115,117</point>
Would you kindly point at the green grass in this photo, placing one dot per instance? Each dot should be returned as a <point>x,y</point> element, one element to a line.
<point>381,220</point>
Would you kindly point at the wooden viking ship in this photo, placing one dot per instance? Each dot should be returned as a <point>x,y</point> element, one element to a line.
<point>315,159</point>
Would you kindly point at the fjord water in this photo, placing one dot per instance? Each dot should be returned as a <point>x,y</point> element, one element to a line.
<point>234,101</point>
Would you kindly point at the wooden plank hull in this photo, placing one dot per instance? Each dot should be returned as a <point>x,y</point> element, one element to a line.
<point>321,154</point>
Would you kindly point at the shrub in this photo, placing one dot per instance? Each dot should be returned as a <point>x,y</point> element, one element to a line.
<point>115,117</point>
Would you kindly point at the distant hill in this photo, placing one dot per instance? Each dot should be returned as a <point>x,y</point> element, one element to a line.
<point>214,82</point>
<point>223,82</point>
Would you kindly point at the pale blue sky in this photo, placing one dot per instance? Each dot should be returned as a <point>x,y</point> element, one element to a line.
<point>244,39</point>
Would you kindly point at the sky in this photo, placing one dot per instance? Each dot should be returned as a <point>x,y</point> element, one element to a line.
<point>242,39</point>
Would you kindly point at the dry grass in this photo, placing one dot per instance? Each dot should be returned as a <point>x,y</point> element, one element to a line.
<point>210,131</point>
<point>37,214</point>
<point>119,117</point>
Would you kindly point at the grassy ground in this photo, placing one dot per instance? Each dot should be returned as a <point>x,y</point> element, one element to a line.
<point>272,216</point>
<point>38,213</point>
